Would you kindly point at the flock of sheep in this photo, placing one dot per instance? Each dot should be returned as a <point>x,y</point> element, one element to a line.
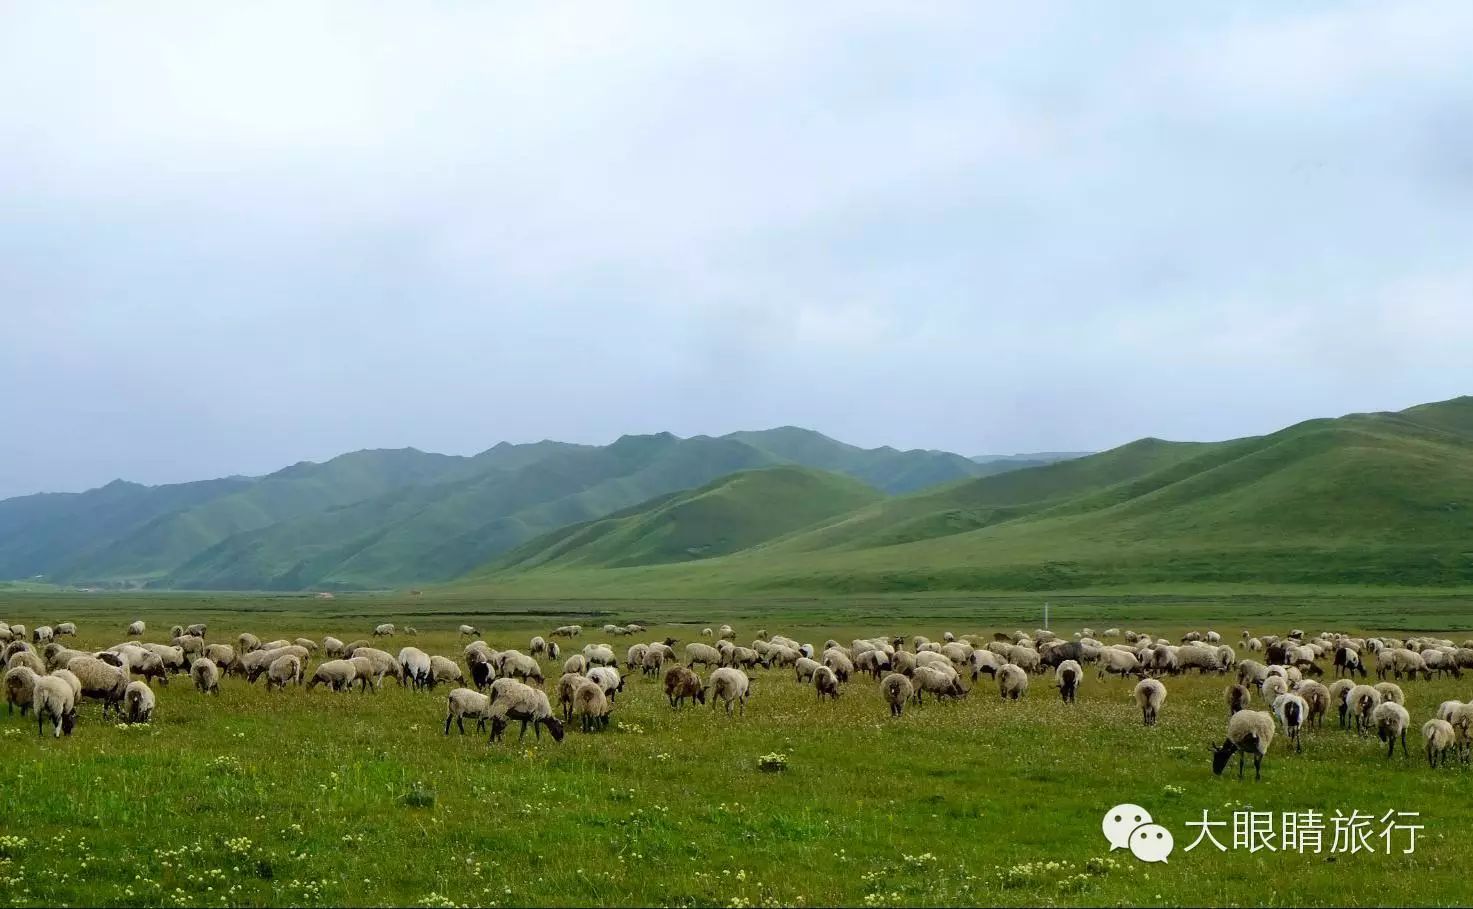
<point>44,676</point>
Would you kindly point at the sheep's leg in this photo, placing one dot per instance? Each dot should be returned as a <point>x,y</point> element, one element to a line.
<point>1241,756</point>
<point>447,724</point>
<point>1404,744</point>
<point>1390,746</point>
<point>1257,766</point>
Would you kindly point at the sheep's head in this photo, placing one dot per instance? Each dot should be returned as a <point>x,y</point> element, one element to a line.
<point>554,726</point>
<point>1221,755</point>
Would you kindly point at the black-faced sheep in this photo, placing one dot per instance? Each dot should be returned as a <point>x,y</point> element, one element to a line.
<point>730,685</point>
<point>138,703</point>
<point>1068,675</point>
<point>897,689</point>
<point>1440,737</point>
<point>682,682</point>
<point>53,697</point>
<point>1149,696</point>
<point>1391,720</point>
<point>1248,732</point>
<point>462,703</point>
<point>591,706</point>
<point>206,675</point>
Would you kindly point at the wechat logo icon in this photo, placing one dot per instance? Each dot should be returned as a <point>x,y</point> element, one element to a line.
<point>1130,827</point>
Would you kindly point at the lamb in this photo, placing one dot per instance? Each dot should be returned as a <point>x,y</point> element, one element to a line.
<point>512,700</point>
<point>1012,681</point>
<point>136,629</point>
<point>1291,711</point>
<point>681,683</point>
<point>444,669</point>
<point>206,675</point>
<point>1238,697</point>
<point>336,674</point>
<point>705,654</point>
<point>20,688</point>
<point>100,681</point>
<point>897,690</point>
<point>1068,675</point>
<point>1391,720</point>
<point>138,703</point>
<point>415,664</point>
<point>805,669</point>
<point>462,703</point>
<point>1247,731</point>
<point>384,631</point>
<point>470,631</point>
<point>1440,736</point>
<point>284,670</point>
<point>608,678</point>
<point>826,683</point>
<point>591,706</point>
<point>55,697</point>
<point>730,685</point>
<point>1363,699</point>
<point>1149,695</point>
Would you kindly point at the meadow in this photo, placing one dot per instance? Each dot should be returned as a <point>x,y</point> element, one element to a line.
<point>314,798</point>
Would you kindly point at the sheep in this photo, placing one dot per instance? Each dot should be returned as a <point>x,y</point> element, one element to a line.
<point>336,674</point>
<point>1340,697</point>
<point>682,682</point>
<point>1149,695</point>
<point>172,657</point>
<point>462,703</point>
<point>567,686</point>
<point>306,644</point>
<point>415,664</point>
<point>1401,660</point>
<point>332,647</point>
<point>730,684</point>
<point>634,656</point>
<point>1317,697</point>
<point>247,642</point>
<point>206,675</point>
<point>727,633</point>
<point>536,646</point>
<point>444,669</point>
<point>609,678</point>
<point>707,633</point>
<point>57,656</point>
<point>805,669</point>
<point>872,661</point>
<point>1012,681</point>
<point>254,665</point>
<point>1291,711</point>
<point>380,664</point>
<point>1439,736</point>
<point>826,683</point>
<point>1272,687</point>
<point>652,661</point>
<point>384,631</point>
<point>591,706</point>
<point>904,662</point>
<point>55,697</point>
<point>1116,660</point>
<point>1238,697</point>
<point>1363,699</point>
<point>519,665</point>
<point>223,655</point>
<point>42,634</point>
<point>896,689</point>
<point>100,681</point>
<point>600,655</point>
<point>512,700</point>
<point>196,630</point>
<point>704,654</point>
<point>284,670</point>
<point>469,631</point>
<point>1068,675</point>
<point>577,663</point>
<point>1348,662</point>
<point>1247,731</point>
<point>138,703</point>
<point>352,647</point>
<point>567,631</point>
<point>20,688</point>
<point>1391,720</point>
<point>1025,658</point>
<point>1390,691</point>
<point>27,659</point>
<point>136,629</point>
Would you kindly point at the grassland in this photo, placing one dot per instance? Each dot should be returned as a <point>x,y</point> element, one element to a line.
<point>313,798</point>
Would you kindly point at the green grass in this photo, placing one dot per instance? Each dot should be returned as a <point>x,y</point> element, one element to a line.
<point>319,799</point>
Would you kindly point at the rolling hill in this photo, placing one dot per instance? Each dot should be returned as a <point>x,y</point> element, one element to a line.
<point>383,518</point>
<point>1384,498</point>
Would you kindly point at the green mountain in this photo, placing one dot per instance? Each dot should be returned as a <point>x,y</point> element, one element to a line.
<point>1383,498</point>
<point>887,469</point>
<point>735,512</point>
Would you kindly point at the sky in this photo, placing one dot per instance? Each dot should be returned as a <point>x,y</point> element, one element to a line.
<point>237,236</point>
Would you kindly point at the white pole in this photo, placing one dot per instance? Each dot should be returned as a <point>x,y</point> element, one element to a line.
<point>1045,616</point>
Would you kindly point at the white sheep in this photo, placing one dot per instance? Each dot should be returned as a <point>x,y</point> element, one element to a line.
<point>136,629</point>
<point>1012,681</point>
<point>1248,731</point>
<point>1363,699</point>
<point>1439,736</point>
<point>20,688</point>
<point>444,669</point>
<point>206,675</point>
<point>415,664</point>
<point>53,696</point>
<point>826,683</point>
<point>1291,711</point>
<point>283,671</point>
<point>591,705</point>
<point>730,685</point>
<point>512,700</point>
<point>1390,691</point>
<point>462,703</point>
<point>1068,675</point>
<point>383,631</point>
<point>705,654</point>
<point>897,689</point>
<point>470,631</point>
<point>100,681</point>
<point>332,647</point>
<point>335,674</point>
<point>138,703</point>
<point>1391,720</point>
<point>804,668</point>
<point>1149,696</point>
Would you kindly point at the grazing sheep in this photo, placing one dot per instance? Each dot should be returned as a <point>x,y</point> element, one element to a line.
<point>512,700</point>
<point>897,690</point>
<point>138,703</point>
<point>1012,681</point>
<point>336,674</point>
<point>652,660</point>
<point>1391,720</point>
<point>826,683</point>
<point>1149,695</point>
<point>223,655</point>
<point>1272,687</point>
<point>681,683</point>
<point>805,669</point>
<point>520,666</point>
<point>726,633</point>
<point>1440,736</point>
<point>1291,711</point>
<point>730,684</point>
<point>591,706</point>
<point>462,703</point>
<point>415,664</point>
<point>206,675</point>
<point>705,654</point>
<point>1115,660</point>
<point>470,631</point>
<point>247,642</point>
<point>1238,697</point>
<point>567,686</point>
<point>1348,662</point>
<point>54,696</point>
<point>1248,731</point>
<point>577,663</point>
<point>600,655</point>
<point>381,664</point>
<point>444,669</point>
<point>352,647</point>
<point>332,647</point>
<point>634,656</point>
<point>1068,675</point>
<point>537,645</point>
<point>1340,697</point>
<point>1315,695</point>
<point>28,659</point>
<point>137,629</point>
<point>196,630</point>
<point>1363,699</point>
<point>100,681</point>
<point>609,678</point>
<point>1390,691</point>
<point>283,671</point>
<point>255,664</point>
<point>42,634</point>
<point>20,688</point>
<point>839,662</point>
<point>383,631</point>
<point>875,662</point>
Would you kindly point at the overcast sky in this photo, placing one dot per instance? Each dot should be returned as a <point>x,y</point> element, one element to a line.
<point>235,236</point>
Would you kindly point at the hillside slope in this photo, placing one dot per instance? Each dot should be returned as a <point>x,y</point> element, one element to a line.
<point>735,512</point>
<point>1382,498</point>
